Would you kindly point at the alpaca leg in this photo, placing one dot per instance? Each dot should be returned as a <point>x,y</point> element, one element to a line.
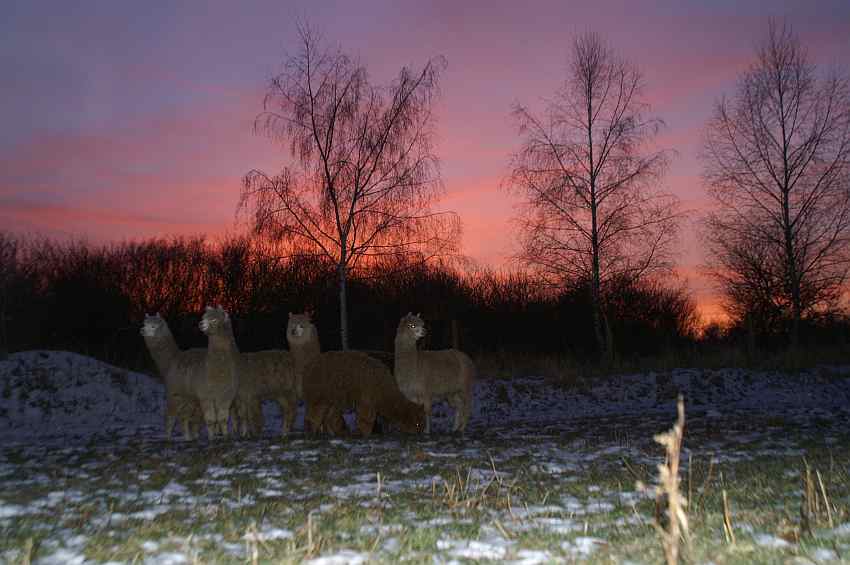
<point>195,419</point>
<point>222,415</point>
<point>334,423</point>
<point>458,405</point>
<point>171,410</point>
<point>208,407</point>
<point>427,406</point>
<point>313,417</point>
<point>257,420</point>
<point>467,397</point>
<point>365,418</point>
<point>288,404</point>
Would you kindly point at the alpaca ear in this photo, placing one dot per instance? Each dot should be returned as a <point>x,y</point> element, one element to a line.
<point>290,314</point>
<point>209,308</point>
<point>158,315</point>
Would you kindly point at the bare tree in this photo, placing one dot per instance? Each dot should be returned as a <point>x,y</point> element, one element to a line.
<point>592,210</point>
<point>365,175</point>
<point>776,161</point>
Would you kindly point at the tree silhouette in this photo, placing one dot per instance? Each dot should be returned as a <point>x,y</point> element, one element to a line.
<point>364,176</point>
<point>592,211</point>
<point>776,161</point>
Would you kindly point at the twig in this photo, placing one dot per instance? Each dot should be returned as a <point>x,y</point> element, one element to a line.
<point>825,499</point>
<point>705,482</point>
<point>727,521</point>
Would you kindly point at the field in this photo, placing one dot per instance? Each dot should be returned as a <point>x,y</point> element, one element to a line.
<point>547,473</point>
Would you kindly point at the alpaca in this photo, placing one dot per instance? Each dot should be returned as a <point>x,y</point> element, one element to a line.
<point>267,375</point>
<point>426,376</point>
<point>181,405</point>
<point>337,380</point>
<point>303,340</point>
<point>246,412</point>
<point>220,380</point>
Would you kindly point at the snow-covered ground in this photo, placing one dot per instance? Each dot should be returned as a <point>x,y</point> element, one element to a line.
<point>53,394</point>
<point>72,430</point>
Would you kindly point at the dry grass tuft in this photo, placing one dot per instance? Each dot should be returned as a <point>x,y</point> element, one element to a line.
<point>814,501</point>
<point>668,474</point>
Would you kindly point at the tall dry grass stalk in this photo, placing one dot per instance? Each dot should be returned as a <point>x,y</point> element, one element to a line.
<point>814,502</point>
<point>668,475</point>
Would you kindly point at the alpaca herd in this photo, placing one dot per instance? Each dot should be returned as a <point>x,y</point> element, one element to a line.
<point>220,384</point>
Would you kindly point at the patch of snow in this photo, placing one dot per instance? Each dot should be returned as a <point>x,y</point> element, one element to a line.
<point>583,546</point>
<point>345,557</point>
<point>269,533</point>
<point>531,557</point>
<point>768,540</point>
<point>475,549</point>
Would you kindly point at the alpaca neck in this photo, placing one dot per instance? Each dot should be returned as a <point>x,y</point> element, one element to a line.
<point>405,357</point>
<point>163,349</point>
<point>222,345</point>
<point>304,353</point>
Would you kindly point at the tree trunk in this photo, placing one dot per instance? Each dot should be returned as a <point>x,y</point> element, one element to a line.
<point>609,340</point>
<point>455,334</point>
<point>4,336</point>
<point>343,307</point>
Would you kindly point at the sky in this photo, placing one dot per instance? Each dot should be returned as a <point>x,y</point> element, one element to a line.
<point>126,120</point>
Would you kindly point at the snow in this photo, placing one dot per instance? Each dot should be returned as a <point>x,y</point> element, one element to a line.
<point>72,412</point>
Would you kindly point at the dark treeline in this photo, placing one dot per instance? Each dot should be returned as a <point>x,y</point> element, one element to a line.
<point>92,298</point>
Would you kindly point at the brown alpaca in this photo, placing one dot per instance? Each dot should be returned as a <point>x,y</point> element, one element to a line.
<point>339,380</point>
<point>303,339</point>
<point>426,376</point>
<point>175,367</point>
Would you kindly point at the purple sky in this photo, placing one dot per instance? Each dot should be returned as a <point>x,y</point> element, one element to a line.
<point>127,120</point>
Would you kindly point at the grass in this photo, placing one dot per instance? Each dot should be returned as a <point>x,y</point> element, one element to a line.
<point>506,494</point>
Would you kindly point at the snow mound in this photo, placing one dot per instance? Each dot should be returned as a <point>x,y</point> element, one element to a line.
<point>59,394</point>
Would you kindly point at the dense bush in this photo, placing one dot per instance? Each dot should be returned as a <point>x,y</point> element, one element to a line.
<point>92,298</point>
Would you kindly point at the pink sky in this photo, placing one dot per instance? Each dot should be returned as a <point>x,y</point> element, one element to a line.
<point>134,120</point>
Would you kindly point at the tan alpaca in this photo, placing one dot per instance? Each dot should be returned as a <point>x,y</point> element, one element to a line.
<point>267,375</point>
<point>175,367</point>
<point>303,340</point>
<point>338,380</point>
<point>218,386</point>
<point>426,376</point>
<point>246,412</point>
<point>262,375</point>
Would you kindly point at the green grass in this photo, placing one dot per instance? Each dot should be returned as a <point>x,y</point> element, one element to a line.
<point>220,503</point>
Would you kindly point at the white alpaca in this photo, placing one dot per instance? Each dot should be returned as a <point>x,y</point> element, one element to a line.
<point>176,368</point>
<point>218,385</point>
<point>426,376</point>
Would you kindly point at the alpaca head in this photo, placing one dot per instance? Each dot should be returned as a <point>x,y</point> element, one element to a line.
<point>154,326</point>
<point>411,326</point>
<point>300,329</point>
<point>215,321</point>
